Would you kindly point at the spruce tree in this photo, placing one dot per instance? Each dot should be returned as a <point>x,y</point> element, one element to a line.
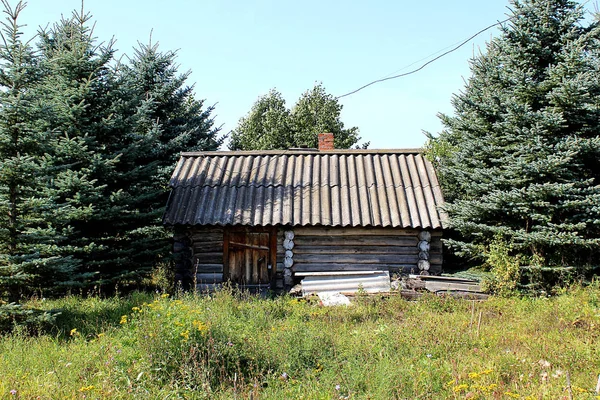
<point>87,145</point>
<point>77,94</point>
<point>520,159</point>
<point>132,121</point>
<point>159,117</point>
<point>35,212</point>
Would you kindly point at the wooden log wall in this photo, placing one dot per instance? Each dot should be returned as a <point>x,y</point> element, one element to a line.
<point>207,254</point>
<point>318,249</point>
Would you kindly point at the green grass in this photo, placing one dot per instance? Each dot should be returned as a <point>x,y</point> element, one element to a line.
<point>230,345</point>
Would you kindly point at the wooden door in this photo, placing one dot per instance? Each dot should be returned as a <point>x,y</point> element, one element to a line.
<point>248,259</point>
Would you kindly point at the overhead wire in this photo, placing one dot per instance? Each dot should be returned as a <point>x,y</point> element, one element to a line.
<point>460,44</point>
<point>428,62</point>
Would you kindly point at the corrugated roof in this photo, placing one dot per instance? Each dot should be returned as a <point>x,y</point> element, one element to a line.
<point>383,188</point>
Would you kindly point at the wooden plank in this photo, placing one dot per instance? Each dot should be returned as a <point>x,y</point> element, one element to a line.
<point>337,273</point>
<point>410,294</point>
<point>356,231</point>
<point>205,232</point>
<point>208,237</point>
<point>273,254</point>
<point>248,246</point>
<point>442,278</point>
<point>207,246</point>
<point>209,278</point>
<point>437,286</point>
<point>226,272</point>
<point>356,258</point>
<point>209,258</point>
<point>209,268</point>
<point>361,231</point>
<point>353,267</point>
<point>404,241</point>
<point>355,250</point>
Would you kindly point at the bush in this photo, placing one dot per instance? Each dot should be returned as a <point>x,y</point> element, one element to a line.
<point>505,269</point>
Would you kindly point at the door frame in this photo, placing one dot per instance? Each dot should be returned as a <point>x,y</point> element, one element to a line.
<point>271,230</point>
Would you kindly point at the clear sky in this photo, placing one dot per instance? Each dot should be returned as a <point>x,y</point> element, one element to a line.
<point>238,50</point>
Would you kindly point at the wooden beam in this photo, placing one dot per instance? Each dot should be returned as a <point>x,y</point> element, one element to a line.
<point>338,273</point>
<point>303,249</point>
<point>226,254</point>
<point>273,255</point>
<point>356,240</point>
<point>248,246</point>
<point>357,231</point>
<point>356,258</point>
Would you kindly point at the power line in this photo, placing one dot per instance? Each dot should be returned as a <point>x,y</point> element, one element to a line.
<point>428,62</point>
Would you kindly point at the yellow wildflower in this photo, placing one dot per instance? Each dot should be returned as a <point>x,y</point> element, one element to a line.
<point>86,388</point>
<point>164,295</point>
<point>202,328</point>
<point>74,332</point>
<point>185,334</point>
<point>474,375</point>
<point>460,388</point>
<point>100,335</point>
<point>123,319</point>
<point>512,395</point>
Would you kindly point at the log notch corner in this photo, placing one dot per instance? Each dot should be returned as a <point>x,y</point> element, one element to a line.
<point>183,258</point>
<point>288,261</point>
<point>424,245</point>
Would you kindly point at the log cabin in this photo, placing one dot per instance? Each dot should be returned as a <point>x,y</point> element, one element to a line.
<point>269,219</point>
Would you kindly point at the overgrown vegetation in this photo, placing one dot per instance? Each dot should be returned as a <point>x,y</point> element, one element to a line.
<point>230,345</point>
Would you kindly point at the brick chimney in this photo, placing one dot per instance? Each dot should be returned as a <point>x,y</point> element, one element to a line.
<point>326,142</point>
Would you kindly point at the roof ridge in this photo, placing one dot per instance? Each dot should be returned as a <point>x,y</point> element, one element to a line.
<point>312,152</point>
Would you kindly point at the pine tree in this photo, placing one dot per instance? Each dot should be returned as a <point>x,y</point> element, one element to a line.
<point>520,159</point>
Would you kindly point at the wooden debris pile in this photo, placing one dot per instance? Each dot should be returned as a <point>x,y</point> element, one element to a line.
<point>414,286</point>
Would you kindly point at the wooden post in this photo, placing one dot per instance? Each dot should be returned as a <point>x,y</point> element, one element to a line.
<point>273,257</point>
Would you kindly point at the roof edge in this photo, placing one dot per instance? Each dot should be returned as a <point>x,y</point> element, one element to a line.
<point>301,152</point>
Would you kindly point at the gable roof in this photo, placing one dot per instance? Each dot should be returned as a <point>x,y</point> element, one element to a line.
<point>380,188</point>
